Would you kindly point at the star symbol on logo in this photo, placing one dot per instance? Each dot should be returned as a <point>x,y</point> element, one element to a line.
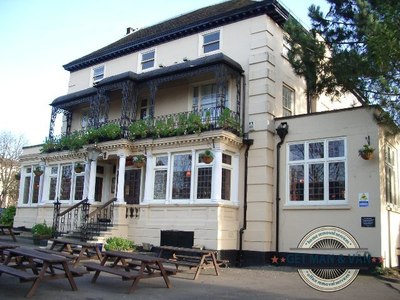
<point>274,259</point>
<point>283,260</point>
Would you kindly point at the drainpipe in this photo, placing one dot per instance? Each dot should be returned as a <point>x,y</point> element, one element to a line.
<point>248,143</point>
<point>282,131</point>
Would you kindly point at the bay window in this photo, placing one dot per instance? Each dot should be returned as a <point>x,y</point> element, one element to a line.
<point>317,172</point>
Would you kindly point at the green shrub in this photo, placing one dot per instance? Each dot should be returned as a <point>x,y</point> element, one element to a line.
<point>119,244</point>
<point>7,216</point>
<point>42,229</point>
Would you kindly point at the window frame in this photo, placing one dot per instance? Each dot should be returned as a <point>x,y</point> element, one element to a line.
<point>306,162</point>
<point>391,164</point>
<point>286,110</point>
<point>98,77</point>
<point>204,44</point>
<point>145,61</point>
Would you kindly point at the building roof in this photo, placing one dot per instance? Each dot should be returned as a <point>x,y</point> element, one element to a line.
<point>184,25</point>
<point>183,67</point>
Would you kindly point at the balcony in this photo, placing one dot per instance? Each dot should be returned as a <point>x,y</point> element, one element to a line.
<point>179,124</point>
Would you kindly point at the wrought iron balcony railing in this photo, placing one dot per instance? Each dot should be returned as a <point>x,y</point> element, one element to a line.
<point>163,126</point>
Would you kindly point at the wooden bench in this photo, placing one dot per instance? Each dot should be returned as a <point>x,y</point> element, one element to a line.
<point>17,273</point>
<point>170,271</point>
<point>8,230</point>
<point>92,266</point>
<point>75,271</point>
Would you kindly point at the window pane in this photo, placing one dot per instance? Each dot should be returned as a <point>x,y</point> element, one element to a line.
<point>336,148</point>
<point>211,42</point>
<point>296,175</point>
<point>79,187</point>
<point>226,159</point>
<point>211,37</point>
<point>148,64</point>
<point>148,56</point>
<point>337,183</point>
<point>53,186</point>
<point>204,179</point>
<point>160,184</point>
<point>180,180</point>
<point>35,196</point>
<point>296,152</point>
<point>316,182</point>
<point>316,150</point>
<point>161,161</point>
<point>65,187</point>
<point>27,184</point>
<point>226,184</point>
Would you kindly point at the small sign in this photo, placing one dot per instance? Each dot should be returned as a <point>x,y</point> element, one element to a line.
<point>363,199</point>
<point>367,221</point>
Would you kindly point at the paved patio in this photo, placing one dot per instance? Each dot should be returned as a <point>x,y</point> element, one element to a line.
<point>265,282</point>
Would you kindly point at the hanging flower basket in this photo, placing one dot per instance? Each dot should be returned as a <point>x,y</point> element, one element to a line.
<point>139,161</point>
<point>78,168</point>
<point>207,157</point>
<point>366,152</point>
<point>38,171</point>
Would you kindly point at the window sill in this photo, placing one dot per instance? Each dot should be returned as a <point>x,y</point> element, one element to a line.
<point>317,207</point>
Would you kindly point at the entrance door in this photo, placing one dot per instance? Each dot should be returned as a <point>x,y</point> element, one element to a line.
<point>132,186</point>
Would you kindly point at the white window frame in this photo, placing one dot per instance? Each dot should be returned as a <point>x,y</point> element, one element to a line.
<point>200,164</point>
<point>286,110</point>
<point>98,77</point>
<point>306,162</point>
<point>230,168</point>
<point>142,61</point>
<point>202,44</point>
<point>391,163</point>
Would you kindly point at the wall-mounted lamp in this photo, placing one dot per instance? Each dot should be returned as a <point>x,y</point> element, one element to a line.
<point>282,130</point>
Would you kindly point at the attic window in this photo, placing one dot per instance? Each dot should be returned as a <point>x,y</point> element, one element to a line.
<point>211,42</point>
<point>148,59</point>
<point>98,73</point>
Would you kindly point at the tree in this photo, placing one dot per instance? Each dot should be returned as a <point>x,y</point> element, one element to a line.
<point>362,39</point>
<point>10,151</point>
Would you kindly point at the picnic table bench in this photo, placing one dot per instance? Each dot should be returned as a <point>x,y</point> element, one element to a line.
<point>190,257</point>
<point>8,230</point>
<point>42,264</point>
<point>84,250</point>
<point>3,247</point>
<point>145,266</point>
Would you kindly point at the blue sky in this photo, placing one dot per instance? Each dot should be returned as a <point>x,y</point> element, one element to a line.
<point>38,37</point>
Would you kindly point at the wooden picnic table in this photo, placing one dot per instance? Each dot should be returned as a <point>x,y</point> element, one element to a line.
<point>191,257</point>
<point>5,246</point>
<point>86,250</point>
<point>43,266</point>
<point>130,266</point>
<point>8,230</point>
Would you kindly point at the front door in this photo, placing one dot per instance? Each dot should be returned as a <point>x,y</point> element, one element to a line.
<point>132,186</point>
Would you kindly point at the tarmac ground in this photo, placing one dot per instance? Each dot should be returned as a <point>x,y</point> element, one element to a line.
<point>261,282</point>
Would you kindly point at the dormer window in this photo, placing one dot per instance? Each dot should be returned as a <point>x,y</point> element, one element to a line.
<point>98,73</point>
<point>211,42</point>
<point>148,59</point>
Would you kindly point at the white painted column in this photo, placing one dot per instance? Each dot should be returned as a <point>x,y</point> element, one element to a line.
<point>148,179</point>
<point>85,193</point>
<point>217,176</point>
<point>235,181</point>
<point>92,180</point>
<point>121,178</point>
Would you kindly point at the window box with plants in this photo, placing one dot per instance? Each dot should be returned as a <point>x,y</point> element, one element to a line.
<point>38,171</point>
<point>207,157</point>
<point>366,152</point>
<point>139,161</point>
<point>78,167</point>
<point>41,233</point>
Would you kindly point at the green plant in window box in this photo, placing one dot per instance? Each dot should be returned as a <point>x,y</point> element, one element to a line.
<point>139,161</point>
<point>366,152</point>
<point>140,129</point>
<point>207,156</point>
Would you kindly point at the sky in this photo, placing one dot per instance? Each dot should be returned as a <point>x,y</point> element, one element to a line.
<point>38,37</point>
